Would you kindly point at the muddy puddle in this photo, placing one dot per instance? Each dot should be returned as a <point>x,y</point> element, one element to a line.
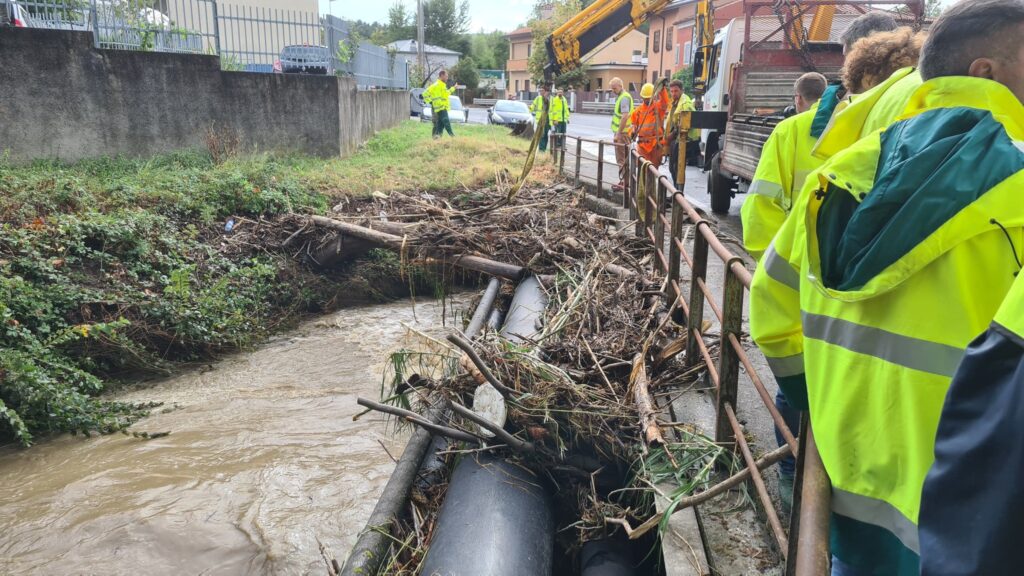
<point>263,459</point>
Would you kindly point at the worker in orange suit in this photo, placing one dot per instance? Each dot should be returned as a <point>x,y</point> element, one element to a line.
<point>647,123</point>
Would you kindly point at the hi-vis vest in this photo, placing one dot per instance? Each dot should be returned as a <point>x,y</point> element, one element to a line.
<point>617,115</point>
<point>437,96</point>
<point>909,251</point>
<point>559,110</point>
<point>785,163</point>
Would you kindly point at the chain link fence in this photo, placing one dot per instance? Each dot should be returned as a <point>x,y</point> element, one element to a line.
<point>247,38</point>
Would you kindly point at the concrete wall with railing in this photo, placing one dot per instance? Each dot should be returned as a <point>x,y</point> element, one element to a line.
<point>62,98</point>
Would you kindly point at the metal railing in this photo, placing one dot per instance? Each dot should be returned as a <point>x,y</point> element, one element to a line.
<point>805,545</point>
<point>247,38</point>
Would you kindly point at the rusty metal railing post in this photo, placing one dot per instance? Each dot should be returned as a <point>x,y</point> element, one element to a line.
<point>728,361</point>
<point>674,255</point>
<point>579,158</point>
<point>626,182</point>
<point>600,168</point>
<point>809,552</point>
<point>649,213</point>
<point>697,273</point>
<point>659,226</point>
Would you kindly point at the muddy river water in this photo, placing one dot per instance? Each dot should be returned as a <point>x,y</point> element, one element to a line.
<point>263,459</point>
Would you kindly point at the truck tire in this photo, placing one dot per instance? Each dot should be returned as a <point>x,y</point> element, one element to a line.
<point>719,187</point>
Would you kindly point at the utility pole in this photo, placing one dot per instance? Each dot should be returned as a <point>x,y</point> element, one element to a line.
<point>420,39</point>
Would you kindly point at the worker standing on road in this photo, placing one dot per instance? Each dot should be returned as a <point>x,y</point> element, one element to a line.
<point>647,124</point>
<point>907,253</point>
<point>680,103</point>
<point>437,98</point>
<point>620,129</point>
<point>972,507</point>
<point>785,162</point>
<point>779,181</point>
<point>541,104</point>
<point>559,117</point>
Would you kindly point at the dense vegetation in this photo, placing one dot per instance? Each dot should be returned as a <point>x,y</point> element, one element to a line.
<point>118,267</point>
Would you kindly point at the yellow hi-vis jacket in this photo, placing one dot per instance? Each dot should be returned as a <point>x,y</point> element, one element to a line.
<point>618,116</point>
<point>437,96</point>
<point>911,239</point>
<point>685,104</point>
<point>559,111</point>
<point>537,107</point>
<point>865,113</point>
<point>785,163</point>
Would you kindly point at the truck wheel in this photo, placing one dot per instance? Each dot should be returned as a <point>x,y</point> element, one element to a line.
<point>719,187</point>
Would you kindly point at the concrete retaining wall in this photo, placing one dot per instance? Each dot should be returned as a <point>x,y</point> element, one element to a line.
<point>62,98</point>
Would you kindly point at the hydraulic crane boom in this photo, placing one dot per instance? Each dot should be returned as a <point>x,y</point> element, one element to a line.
<point>594,25</point>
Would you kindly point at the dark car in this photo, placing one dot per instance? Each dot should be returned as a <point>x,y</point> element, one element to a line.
<point>305,60</point>
<point>509,113</point>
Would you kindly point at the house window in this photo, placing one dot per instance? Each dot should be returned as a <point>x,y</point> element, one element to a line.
<point>588,85</point>
<point>517,85</point>
<point>529,50</point>
<point>654,77</point>
<point>600,83</point>
<point>687,53</point>
<point>526,85</point>
<point>632,86</point>
<point>657,41</point>
<point>668,74</point>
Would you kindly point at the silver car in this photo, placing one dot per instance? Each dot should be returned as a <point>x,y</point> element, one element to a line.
<point>457,115</point>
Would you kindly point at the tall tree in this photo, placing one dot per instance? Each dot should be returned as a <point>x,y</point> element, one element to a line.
<point>446,23</point>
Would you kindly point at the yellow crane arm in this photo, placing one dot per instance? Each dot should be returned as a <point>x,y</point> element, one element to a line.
<point>592,27</point>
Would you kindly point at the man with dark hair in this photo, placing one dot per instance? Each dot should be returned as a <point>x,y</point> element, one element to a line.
<point>866,25</point>
<point>681,103</point>
<point>898,253</point>
<point>541,104</point>
<point>972,506</point>
<point>437,97</point>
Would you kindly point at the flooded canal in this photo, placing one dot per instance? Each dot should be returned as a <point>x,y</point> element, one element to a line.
<point>262,460</point>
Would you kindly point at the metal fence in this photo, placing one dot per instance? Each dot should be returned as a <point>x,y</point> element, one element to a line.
<point>246,38</point>
<point>805,545</point>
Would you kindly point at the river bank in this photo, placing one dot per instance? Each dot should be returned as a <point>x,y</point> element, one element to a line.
<point>119,269</point>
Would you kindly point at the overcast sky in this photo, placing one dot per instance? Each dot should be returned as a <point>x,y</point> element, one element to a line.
<point>490,15</point>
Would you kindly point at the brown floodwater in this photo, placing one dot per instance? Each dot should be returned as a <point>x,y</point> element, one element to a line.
<point>263,459</point>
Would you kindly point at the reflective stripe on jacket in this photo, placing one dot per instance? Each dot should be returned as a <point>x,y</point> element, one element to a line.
<point>900,267</point>
<point>863,114</point>
<point>559,109</point>
<point>617,115</point>
<point>967,528</point>
<point>785,163</point>
<point>437,96</point>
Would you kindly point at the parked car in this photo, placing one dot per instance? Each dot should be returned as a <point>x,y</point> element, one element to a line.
<point>509,113</point>
<point>305,60</point>
<point>416,103</point>
<point>458,114</point>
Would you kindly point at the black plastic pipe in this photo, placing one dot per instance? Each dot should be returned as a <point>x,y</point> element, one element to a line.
<point>496,520</point>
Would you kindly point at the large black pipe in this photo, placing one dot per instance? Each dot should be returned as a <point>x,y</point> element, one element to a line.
<point>607,557</point>
<point>371,548</point>
<point>496,520</point>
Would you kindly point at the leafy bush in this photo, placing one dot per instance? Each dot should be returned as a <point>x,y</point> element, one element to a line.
<point>104,271</point>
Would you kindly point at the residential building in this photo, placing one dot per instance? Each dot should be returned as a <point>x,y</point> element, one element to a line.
<point>670,45</point>
<point>437,58</point>
<point>520,48</point>
<point>623,59</point>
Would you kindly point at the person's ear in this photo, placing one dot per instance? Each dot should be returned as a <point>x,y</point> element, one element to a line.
<point>982,68</point>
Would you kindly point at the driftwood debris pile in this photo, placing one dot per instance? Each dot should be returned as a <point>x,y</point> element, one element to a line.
<point>583,394</point>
